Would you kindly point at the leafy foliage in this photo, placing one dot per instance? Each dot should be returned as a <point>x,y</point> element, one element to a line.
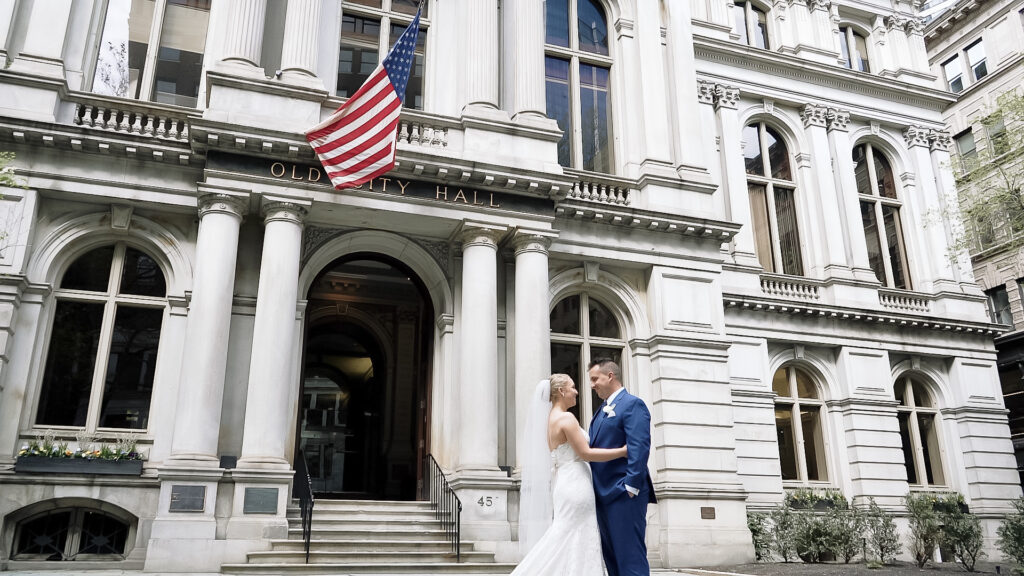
<point>961,532</point>
<point>7,176</point>
<point>783,521</point>
<point>813,525</point>
<point>757,523</point>
<point>925,530</point>
<point>883,539</point>
<point>1011,536</point>
<point>846,529</point>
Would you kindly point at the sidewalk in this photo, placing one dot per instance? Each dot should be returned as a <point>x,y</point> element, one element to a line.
<point>139,573</point>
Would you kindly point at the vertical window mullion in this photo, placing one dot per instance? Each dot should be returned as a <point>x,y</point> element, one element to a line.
<point>384,43</point>
<point>883,241</point>
<point>576,96</point>
<point>584,397</point>
<point>798,432</point>
<point>106,339</point>
<point>749,20</point>
<point>152,51</point>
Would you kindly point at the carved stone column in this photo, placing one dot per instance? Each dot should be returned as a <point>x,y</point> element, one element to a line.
<point>244,41</point>
<point>692,152</point>
<point>734,174</point>
<point>846,187</point>
<point>899,47</point>
<point>268,412</point>
<point>6,17</point>
<point>205,354</point>
<point>924,194</point>
<point>940,143</point>
<point>524,58</point>
<point>824,198</point>
<point>45,25</point>
<point>480,37</point>
<point>918,53</point>
<point>532,322</point>
<point>301,43</point>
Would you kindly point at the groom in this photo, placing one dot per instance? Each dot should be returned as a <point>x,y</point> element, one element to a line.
<point>622,487</point>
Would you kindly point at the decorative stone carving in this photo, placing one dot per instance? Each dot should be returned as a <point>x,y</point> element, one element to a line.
<point>813,115</point>
<point>895,22</point>
<point>223,203</point>
<point>837,119</point>
<point>283,211</point>
<point>705,92</point>
<point>940,140</point>
<point>441,251</point>
<point>726,96</point>
<point>313,237</point>
<point>526,242</point>
<point>821,5</point>
<point>479,236</point>
<point>915,136</point>
<point>915,26</point>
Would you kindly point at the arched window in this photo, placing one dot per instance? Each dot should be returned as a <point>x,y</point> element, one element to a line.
<point>853,49</point>
<point>584,329</point>
<point>772,192</point>
<point>71,534</point>
<point>577,72</point>
<point>798,424</point>
<point>879,203</point>
<point>103,345</point>
<point>368,30</point>
<point>176,53</point>
<point>751,24</point>
<point>919,432</point>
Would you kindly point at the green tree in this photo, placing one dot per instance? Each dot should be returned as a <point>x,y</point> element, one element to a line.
<point>7,176</point>
<point>925,530</point>
<point>1011,536</point>
<point>883,538</point>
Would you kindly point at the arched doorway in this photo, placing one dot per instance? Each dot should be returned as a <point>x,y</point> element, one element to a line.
<point>363,411</point>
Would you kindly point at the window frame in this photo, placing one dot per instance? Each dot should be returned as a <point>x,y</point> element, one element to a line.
<point>973,66</point>
<point>75,529</point>
<point>794,402</point>
<point>994,313</point>
<point>750,24</point>
<point>111,300</point>
<point>770,182</point>
<point>585,341</point>
<point>878,202</point>
<point>576,57</point>
<point>848,34</point>
<point>387,16</point>
<point>959,77</point>
<point>913,425</point>
<point>147,81</point>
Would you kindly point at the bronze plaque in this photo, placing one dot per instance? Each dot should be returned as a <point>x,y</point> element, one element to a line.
<point>707,512</point>
<point>185,498</point>
<point>260,501</point>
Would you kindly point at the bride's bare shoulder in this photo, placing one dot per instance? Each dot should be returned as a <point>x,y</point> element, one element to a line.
<point>564,419</point>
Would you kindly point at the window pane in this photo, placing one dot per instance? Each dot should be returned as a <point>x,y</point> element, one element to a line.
<point>122,53</point>
<point>860,170</point>
<point>596,115</point>
<point>761,225</point>
<point>922,398</point>
<point>860,57</point>
<point>102,534</point>
<point>976,60</point>
<point>789,239</point>
<point>142,275</point>
<point>565,359</point>
<point>91,271</point>
<point>556,21</point>
<point>814,448</point>
<point>409,7</point>
<point>46,536</point>
<point>780,383</point>
<point>997,137</point>
<point>760,29</point>
<point>593,30</point>
<point>900,392</point>
<point>616,355</point>
<point>67,378</point>
<point>414,89</point>
<point>894,235</point>
<point>557,89</point>
<point>805,387</point>
<point>883,173</point>
<point>844,47</point>
<point>778,156</point>
<point>602,323</point>
<point>179,62</point>
<point>787,441</point>
<point>1011,378</point>
<point>130,369</point>
<point>360,41</point>
<point>867,214</point>
<point>908,451</point>
<point>370,3</point>
<point>951,68</point>
<point>740,21</point>
<point>752,150</point>
<point>999,305</point>
<point>930,445</point>
<point>965,144</point>
<point>565,317</point>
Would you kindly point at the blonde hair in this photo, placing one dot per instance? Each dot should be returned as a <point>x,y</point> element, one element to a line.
<point>558,382</point>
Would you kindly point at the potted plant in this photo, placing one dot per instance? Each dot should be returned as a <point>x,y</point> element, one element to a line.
<point>50,457</point>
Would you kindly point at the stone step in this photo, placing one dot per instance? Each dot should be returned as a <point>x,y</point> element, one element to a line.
<point>370,523</point>
<point>356,533</point>
<point>337,515</point>
<point>368,545</point>
<point>321,556</point>
<point>369,505</point>
<point>354,569</point>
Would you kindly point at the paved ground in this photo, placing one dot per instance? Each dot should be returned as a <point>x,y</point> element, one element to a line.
<point>137,573</point>
<point>829,569</point>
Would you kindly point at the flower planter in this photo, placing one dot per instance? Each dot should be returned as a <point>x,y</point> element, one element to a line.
<point>45,465</point>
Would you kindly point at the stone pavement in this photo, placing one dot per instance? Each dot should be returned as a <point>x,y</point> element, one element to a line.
<point>69,572</point>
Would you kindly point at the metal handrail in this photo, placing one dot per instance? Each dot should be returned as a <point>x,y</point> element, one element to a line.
<point>446,503</point>
<point>302,489</point>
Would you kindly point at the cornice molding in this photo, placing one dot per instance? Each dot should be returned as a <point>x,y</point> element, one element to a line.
<point>638,219</point>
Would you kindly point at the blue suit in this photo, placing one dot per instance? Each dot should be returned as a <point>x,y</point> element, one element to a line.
<point>623,520</point>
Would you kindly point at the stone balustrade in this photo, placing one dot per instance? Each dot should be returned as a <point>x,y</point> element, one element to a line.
<point>132,117</point>
<point>790,287</point>
<point>904,301</point>
<point>600,189</point>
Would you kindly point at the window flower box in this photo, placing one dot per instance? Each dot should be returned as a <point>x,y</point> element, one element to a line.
<point>49,465</point>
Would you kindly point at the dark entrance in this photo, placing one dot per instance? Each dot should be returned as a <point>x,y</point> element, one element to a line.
<point>366,380</point>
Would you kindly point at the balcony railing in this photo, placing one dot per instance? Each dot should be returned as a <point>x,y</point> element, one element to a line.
<point>904,301</point>
<point>132,116</point>
<point>599,188</point>
<point>790,287</point>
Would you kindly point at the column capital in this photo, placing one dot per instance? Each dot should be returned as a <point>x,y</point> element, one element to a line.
<point>837,119</point>
<point>940,140</point>
<point>524,241</point>
<point>478,234</point>
<point>915,26</point>
<point>821,5</point>
<point>726,96</point>
<point>283,210</point>
<point>915,136</point>
<point>813,115</point>
<point>705,92</point>
<point>226,202</point>
<point>895,22</point>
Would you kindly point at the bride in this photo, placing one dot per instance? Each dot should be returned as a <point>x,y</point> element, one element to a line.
<point>557,483</point>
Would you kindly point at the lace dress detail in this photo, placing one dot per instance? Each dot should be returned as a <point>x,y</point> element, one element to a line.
<point>572,544</point>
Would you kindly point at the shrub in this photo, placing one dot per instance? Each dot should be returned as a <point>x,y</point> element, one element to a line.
<point>846,532</point>
<point>1011,536</point>
<point>783,525</point>
<point>883,539</point>
<point>757,522</point>
<point>925,531</point>
<point>961,532</point>
<point>812,537</point>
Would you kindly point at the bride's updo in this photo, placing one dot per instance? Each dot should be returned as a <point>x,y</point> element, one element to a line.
<point>558,382</point>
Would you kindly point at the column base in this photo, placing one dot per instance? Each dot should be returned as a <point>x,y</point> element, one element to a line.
<point>535,120</point>
<point>38,66</point>
<point>865,274</point>
<point>259,505</point>
<point>701,527</point>
<point>302,79</point>
<point>484,111</point>
<point>184,531</point>
<point>485,512</point>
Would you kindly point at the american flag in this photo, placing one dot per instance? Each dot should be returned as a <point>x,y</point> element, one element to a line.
<point>357,143</point>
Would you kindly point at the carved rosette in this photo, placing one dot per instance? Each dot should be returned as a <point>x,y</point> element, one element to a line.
<point>526,242</point>
<point>705,92</point>
<point>280,211</point>
<point>813,115</point>
<point>915,136</point>
<point>940,140</point>
<point>480,236</point>
<point>726,96</point>
<point>837,119</point>
<point>219,203</point>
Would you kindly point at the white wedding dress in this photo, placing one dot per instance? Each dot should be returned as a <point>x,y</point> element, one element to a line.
<point>572,544</point>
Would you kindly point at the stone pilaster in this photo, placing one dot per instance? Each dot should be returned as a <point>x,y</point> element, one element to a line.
<point>841,152</point>
<point>45,25</point>
<point>734,175</point>
<point>524,57</point>
<point>924,194</point>
<point>899,46</point>
<point>6,18</point>
<point>692,154</point>
<point>301,43</point>
<point>824,200</point>
<point>201,389</point>
<point>940,144</point>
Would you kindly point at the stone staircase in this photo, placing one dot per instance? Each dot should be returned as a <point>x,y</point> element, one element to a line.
<point>362,537</point>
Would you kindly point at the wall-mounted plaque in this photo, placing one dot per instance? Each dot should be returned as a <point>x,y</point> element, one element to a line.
<point>185,498</point>
<point>707,512</point>
<point>260,501</point>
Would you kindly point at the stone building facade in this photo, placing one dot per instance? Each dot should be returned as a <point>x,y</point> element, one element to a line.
<point>727,197</point>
